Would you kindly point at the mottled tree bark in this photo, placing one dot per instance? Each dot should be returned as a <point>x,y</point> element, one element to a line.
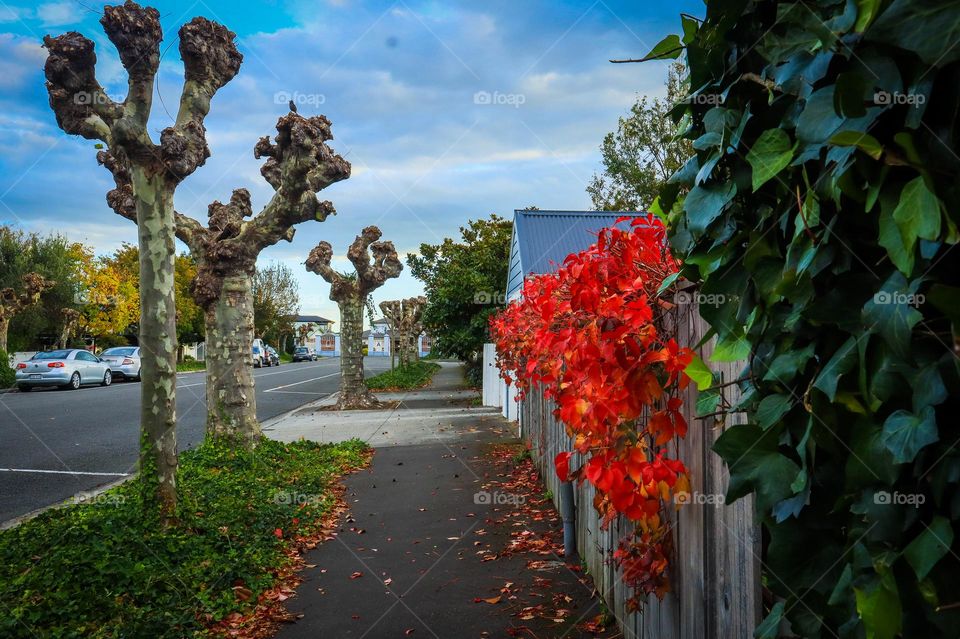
<point>298,165</point>
<point>350,292</point>
<point>13,301</point>
<point>231,402</point>
<point>82,108</point>
<point>405,324</point>
<point>4,331</point>
<point>353,389</point>
<point>71,318</point>
<point>158,336</point>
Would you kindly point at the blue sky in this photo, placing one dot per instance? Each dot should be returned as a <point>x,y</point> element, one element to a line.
<point>447,111</point>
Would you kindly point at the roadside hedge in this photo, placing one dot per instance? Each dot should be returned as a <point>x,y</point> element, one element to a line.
<point>100,569</point>
<point>819,216</point>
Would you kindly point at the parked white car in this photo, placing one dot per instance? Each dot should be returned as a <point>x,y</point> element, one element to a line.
<point>67,368</point>
<point>124,361</point>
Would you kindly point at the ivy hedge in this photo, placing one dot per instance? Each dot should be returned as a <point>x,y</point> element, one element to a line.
<point>820,214</point>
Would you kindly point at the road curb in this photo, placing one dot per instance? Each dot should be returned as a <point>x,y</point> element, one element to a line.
<point>273,422</point>
<point>69,501</point>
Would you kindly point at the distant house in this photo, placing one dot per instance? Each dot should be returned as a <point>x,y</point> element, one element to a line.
<point>541,241</point>
<point>379,340</point>
<point>310,326</point>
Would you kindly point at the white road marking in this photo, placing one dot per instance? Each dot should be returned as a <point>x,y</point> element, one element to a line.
<point>60,472</point>
<point>313,379</point>
<point>256,377</point>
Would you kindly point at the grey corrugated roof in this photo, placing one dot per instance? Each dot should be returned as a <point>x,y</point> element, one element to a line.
<point>543,239</point>
<point>314,319</point>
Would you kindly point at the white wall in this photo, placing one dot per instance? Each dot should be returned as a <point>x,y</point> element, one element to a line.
<point>492,384</point>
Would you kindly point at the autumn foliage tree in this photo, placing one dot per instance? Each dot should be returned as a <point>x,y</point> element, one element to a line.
<point>83,108</point>
<point>375,262</point>
<point>593,336</point>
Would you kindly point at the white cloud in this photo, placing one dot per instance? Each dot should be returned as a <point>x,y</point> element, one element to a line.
<point>55,14</point>
<point>12,14</point>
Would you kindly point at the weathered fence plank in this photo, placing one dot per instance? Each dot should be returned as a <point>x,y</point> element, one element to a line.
<point>715,572</point>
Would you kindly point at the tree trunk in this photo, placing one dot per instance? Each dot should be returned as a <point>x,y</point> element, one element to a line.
<point>353,389</point>
<point>231,400</point>
<point>158,342</point>
<point>4,329</point>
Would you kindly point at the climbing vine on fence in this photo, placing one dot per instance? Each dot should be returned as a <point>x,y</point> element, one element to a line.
<point>822,203</point>
<point>592,334</point>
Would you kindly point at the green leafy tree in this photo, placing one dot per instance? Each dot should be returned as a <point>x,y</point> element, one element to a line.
<point>57,260</point>
<point>276,301</point>
<point>641,155</point>
<point>823,208</point>
<point>464,282</point>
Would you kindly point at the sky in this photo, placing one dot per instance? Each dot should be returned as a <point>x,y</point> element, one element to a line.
<point>447,111</point>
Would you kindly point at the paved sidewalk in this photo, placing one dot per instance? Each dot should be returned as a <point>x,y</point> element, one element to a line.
<point>417,555</point>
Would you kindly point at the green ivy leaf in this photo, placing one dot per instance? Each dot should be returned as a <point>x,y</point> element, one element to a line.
<point>786,366</point>
<point>771,153</point>
<point>770,627</point>
<point>690,28</point>
<point>890,313</point>
<point>917,214</point>
<point>866,10</point>
<point>929,28</point>
<point>667,49</point>
<point>756,464</point>
<point>879,608</point>
<point>704,204</point>
<point>699,373</point>
<point>841,363</point>
<point>892,239</point>
<point>929,547</point>
<point>905,433</point>
<point>772,408</point>
<point>731,348</point>
<point>863,141</point>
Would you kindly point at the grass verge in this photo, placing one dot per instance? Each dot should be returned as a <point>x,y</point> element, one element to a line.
<point>415,375</point>
<point>102,569</point>
<point>190,365</point>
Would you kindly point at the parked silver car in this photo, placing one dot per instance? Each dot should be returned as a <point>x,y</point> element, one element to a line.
<point>69,368</point>
<point>124,361</point>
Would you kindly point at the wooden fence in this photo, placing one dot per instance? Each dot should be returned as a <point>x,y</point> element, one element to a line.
<point>715,573</point>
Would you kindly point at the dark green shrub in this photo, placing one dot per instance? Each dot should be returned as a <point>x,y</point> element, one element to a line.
<point>819,215</point>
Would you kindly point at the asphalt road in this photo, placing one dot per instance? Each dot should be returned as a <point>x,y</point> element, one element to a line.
<point>56,443</point>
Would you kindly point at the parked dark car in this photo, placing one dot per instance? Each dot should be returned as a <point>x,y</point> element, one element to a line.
<point>272,356</point>
<point>303,354</point>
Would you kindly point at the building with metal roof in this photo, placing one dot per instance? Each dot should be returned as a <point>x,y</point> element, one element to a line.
<point>543,239</point>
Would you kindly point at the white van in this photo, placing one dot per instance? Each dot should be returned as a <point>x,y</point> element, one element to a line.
<point>259,352</point>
